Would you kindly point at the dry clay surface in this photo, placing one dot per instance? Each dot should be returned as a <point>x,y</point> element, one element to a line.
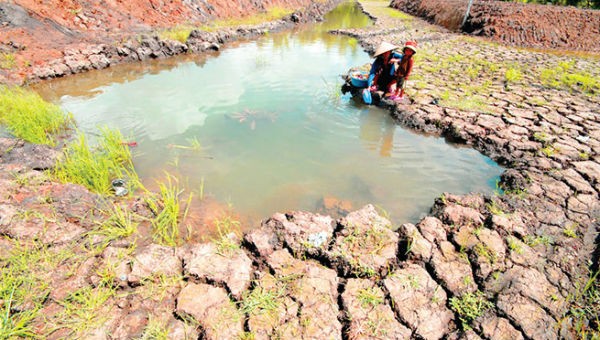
<point>304,275</point>
<point>514,23</point>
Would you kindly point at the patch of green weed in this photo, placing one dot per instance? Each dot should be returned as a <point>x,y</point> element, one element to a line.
<point>7,61</point>
<point>469,307</point>
<point>533,241</point>
<point>96,167</point>
<point>226,225</point>
<point>563,76</point>
<point>584,308</point>
<point>514,245</point>
<point>155,330</point>
<point>120,223</point>
<point>26,115</point>
<point>167,209</point>
<point>261,300</point>
<point>179,33</point>
<point>370,297</point>
<point>272,14</point>
<point>83,310</point>
<point>24,285</point>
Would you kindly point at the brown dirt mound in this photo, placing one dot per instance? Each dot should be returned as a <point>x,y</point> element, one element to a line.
<point>527,25</point>
<point>33,32</point>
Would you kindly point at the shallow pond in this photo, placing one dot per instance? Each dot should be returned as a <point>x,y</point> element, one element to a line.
<point>262,126</point>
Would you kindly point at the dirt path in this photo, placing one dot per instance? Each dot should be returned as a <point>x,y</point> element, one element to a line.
<point>502,266</point>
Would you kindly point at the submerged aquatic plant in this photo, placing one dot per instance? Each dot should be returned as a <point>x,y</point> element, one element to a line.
<point>252,116</point>
<point>194,145</point>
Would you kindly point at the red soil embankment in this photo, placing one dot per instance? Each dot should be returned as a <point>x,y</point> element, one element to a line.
<point>33,32</point>
<point>517,24</point>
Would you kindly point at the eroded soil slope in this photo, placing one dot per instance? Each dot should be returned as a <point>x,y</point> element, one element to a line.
<point>528,25</point>
<point>34,32</point>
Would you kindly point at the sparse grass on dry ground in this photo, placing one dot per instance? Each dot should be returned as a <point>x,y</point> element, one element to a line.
<point>182,32</point>
<point>7,61</point>
<point>463,73</point>
<point>31,267</point>
<point>469,307</point>
<point>583,316</point>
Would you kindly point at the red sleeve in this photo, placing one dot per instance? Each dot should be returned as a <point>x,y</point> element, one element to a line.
<point>410,65</point>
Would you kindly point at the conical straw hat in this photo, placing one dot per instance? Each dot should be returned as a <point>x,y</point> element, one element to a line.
<point>384,47</point>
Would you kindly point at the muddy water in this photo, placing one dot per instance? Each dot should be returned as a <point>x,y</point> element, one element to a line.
<point>262,127</point>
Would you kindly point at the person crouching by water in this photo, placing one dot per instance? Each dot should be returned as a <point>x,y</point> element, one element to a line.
<point>381,74</point>
<point>390,70</point>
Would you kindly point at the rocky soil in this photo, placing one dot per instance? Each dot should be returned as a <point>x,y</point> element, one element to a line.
<point>513,23</point>
<point>41,39</point>
<point>521,255</point>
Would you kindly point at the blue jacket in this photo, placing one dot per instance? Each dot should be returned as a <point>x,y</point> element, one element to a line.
<point>378,64</point>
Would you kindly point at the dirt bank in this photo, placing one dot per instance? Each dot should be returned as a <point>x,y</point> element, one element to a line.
<point>35,34</point>
<point>513,23</point>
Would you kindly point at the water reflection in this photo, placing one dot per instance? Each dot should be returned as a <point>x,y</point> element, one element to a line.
<point>90,84</point>
<point>274,132</point>
<point>377,131</point>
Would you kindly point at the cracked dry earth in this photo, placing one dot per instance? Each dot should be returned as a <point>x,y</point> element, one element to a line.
<point>305,275</point>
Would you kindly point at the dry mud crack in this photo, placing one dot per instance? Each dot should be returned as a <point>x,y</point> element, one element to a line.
<point>520,255</point>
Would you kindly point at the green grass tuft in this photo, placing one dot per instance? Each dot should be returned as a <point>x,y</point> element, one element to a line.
<point>179,33</point>
<point>272,14</point>
<point>370,297</point>
<point>26,115</point>
<point>469,307</point>
<point>7,61</point>
<point>513,75</point>
<point>155,330</point>
<point>261,300</point>
<point>24,285</point>
<point>226,242</point>
<point>564,76</point>
<point>584,311</point>
<point>166,207</point>
<point>95,168</point>
<point>14,324</point>
<point>83,310</point>
<point>120,223</point>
